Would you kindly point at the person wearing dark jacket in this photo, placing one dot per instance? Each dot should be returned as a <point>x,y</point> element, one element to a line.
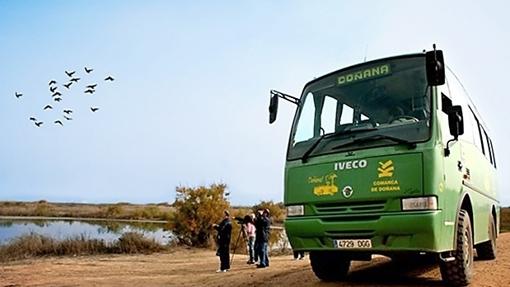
<point>256,247</point>
<point>223,240</point>
<point>262,229</point>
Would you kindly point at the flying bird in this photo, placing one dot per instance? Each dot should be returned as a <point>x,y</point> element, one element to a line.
<point>59,122</point>
<point>33,119</point>
<point>56,94</point>
<point>92,86</point>
<point>18,95</point>
<point>70,74</point>
<point>109,78</point>
<point>68,111</point>
<point>88,70</point>
<point>57,99</point>
<point>53,89</point>
<point>38,124</point>
<point>68,85</point>
<point>90,91</point>
<point>69,119</point>
<point>94,109</point>
<point>48,107</point>
<point>52,82</point>
<point>75,80</point>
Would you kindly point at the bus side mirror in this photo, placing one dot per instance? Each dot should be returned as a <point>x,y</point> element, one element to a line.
<point>456,125</point>
<point>435,67</point>
<point>456,121</point>
<point>273,108</point>
<point>273,103</point>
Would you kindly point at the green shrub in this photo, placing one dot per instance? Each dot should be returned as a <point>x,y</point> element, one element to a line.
<point>196,209</point>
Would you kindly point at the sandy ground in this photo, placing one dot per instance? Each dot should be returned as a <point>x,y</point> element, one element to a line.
<point>197,268</point>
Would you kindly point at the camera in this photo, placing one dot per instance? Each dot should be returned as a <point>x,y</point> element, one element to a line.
<point>239,220</point>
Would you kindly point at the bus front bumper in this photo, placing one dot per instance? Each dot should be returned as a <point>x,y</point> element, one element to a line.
<point>389,232</point>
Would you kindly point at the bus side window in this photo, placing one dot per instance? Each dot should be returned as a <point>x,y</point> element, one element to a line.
<point>477,133</point>
<point>484,142</point>
<point>488,146</point>
<point>328,116</point>
<point>470,128</point>
<point>305,130</point>
<point>493,153</point>
<point>446,103</point>
<point>347,115</point>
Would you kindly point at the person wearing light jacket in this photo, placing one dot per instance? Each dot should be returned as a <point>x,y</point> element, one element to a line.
<point>250,237</point>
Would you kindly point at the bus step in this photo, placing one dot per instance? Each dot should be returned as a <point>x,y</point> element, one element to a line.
<point>446,257</point>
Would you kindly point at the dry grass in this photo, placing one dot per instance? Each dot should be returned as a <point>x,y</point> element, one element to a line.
<point>133,242</point>
<point>34,245</point>
<point>124,210</point>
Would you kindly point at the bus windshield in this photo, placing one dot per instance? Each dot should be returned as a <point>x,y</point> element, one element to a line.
<point>379,101</point>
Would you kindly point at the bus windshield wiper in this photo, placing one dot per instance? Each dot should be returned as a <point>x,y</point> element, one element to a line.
<point>328,135</point>
<point>411,145</point>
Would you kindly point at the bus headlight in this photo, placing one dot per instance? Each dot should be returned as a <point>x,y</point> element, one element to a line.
<point>419,203</point>
<point>295,210</point>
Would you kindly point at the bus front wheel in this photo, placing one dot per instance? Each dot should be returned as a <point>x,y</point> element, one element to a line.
<point>329,265</point>
<point>459,271</point>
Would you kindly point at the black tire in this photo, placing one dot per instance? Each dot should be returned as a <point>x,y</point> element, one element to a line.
<point>487,250</point>
<point>329,265</point>
<point>459,271</point>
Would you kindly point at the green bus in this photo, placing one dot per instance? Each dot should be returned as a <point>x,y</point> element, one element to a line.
<point>390,157</point>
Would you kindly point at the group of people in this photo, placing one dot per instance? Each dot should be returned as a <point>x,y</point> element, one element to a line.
<point>256,230</point>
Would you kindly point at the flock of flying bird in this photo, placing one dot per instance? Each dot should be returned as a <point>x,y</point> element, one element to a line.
<point>57,95</point>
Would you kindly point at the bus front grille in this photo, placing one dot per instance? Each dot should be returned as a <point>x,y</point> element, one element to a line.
<point>350,218</point>
<point>349,207</point>
<point>357,234</point>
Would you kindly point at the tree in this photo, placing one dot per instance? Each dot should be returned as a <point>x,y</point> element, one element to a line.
<point>196,209</point>
<point>277,210</point>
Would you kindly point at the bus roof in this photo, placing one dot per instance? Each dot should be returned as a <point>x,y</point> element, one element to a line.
<point>365,63</point>
<point>468,98</point>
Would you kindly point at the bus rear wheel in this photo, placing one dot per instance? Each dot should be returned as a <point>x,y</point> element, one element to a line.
<point>487,250</point>
<point>329,265</point>
<point>459,271</point>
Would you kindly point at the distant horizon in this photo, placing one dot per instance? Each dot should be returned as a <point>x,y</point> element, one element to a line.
<point>119,202</point>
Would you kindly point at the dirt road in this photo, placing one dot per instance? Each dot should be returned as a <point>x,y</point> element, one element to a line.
<point>197,268</point>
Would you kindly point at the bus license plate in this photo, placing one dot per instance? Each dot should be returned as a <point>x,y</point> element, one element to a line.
<point>353,243</point>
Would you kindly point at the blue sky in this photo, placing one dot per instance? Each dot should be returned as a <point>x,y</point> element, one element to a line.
<point>189,103</point>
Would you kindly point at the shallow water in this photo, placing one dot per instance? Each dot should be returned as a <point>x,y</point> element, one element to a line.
<point>108,231</point>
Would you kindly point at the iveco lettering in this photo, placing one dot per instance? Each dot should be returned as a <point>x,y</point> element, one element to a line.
<point>412,158</point>
<point>350,164</point>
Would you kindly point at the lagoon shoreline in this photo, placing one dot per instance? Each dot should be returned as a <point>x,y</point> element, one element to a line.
<point>81,219</point>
